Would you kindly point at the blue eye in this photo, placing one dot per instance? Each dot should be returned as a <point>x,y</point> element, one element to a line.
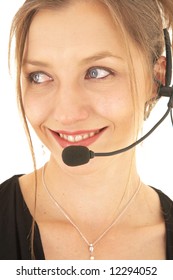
<point>39,78</point>
<point>98,73</point>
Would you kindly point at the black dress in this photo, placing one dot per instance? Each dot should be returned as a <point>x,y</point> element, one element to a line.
<point>16,221</point>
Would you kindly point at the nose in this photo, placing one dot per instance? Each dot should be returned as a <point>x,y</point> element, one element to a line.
<point>71,105</point>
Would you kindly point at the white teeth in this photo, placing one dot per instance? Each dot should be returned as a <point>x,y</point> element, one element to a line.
<point>91,134</point>
<point>70,138</point>
<point>77,138</point>
<point>85,136</point>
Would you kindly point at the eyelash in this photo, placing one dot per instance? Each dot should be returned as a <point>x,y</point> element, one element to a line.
<point>30,77</point>
<point>99,68</point>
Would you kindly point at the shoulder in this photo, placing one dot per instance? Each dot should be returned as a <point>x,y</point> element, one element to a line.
<point>167,211</point>
<point>9,187</point>
<point>15,221</point>
<point>10,197</point>
<point>16,193</point>
<point>166,204</point>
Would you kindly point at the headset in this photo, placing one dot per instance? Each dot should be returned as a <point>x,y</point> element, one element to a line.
<point>79,155</point>
<point>167,90</point>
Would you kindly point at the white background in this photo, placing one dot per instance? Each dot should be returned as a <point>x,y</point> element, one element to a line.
<point>155,155</point>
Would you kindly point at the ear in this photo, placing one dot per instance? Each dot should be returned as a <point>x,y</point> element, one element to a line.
<point>160,71</point>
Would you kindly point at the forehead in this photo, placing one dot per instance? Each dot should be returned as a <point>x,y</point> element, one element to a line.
<point>81,27</point>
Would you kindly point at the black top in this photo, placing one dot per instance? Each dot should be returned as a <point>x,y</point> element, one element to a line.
<point>16,222</point>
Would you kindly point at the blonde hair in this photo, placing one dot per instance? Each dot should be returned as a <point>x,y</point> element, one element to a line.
<point>142,20</point>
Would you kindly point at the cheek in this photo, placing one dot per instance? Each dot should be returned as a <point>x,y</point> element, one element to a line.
<point>117,105</point>
<point>35,101</point>
<point>35,108</point>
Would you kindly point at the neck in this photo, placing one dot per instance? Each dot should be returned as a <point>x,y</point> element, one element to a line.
<point>99,172</point>
<point>100,190</point>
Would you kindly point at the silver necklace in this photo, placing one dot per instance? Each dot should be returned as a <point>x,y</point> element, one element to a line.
<point>92,245</point>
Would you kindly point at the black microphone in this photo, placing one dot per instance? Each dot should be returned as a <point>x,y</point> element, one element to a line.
<point>79,155</point>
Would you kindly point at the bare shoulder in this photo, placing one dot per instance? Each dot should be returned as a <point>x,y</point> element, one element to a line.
<point>28,187</point>
<point>28,181</point>
<point>151,204</point>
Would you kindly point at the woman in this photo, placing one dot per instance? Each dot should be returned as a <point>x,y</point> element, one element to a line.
<point>87,72</point>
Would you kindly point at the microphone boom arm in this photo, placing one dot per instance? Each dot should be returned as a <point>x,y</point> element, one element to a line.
<point>170,106</point>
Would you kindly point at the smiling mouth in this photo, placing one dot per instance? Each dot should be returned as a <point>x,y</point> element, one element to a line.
<point>78,137</point>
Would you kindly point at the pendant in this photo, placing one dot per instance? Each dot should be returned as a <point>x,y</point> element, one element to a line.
<point>91,250</point>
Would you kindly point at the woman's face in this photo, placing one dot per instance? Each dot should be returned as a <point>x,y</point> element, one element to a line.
<point>75,79</point>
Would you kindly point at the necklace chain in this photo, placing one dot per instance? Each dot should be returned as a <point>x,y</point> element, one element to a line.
<point>67,216</point>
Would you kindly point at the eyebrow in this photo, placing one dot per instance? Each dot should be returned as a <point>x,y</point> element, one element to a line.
<point>100,56</point>
<point>93,58</point>
<point>35,63</point>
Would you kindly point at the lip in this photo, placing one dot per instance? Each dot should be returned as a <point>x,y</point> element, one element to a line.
<point>94,135</point>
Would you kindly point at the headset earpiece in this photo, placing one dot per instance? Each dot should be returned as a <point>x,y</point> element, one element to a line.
<point>167,90</point>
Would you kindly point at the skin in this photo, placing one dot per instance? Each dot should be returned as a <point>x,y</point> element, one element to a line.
<point>69,100</point>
